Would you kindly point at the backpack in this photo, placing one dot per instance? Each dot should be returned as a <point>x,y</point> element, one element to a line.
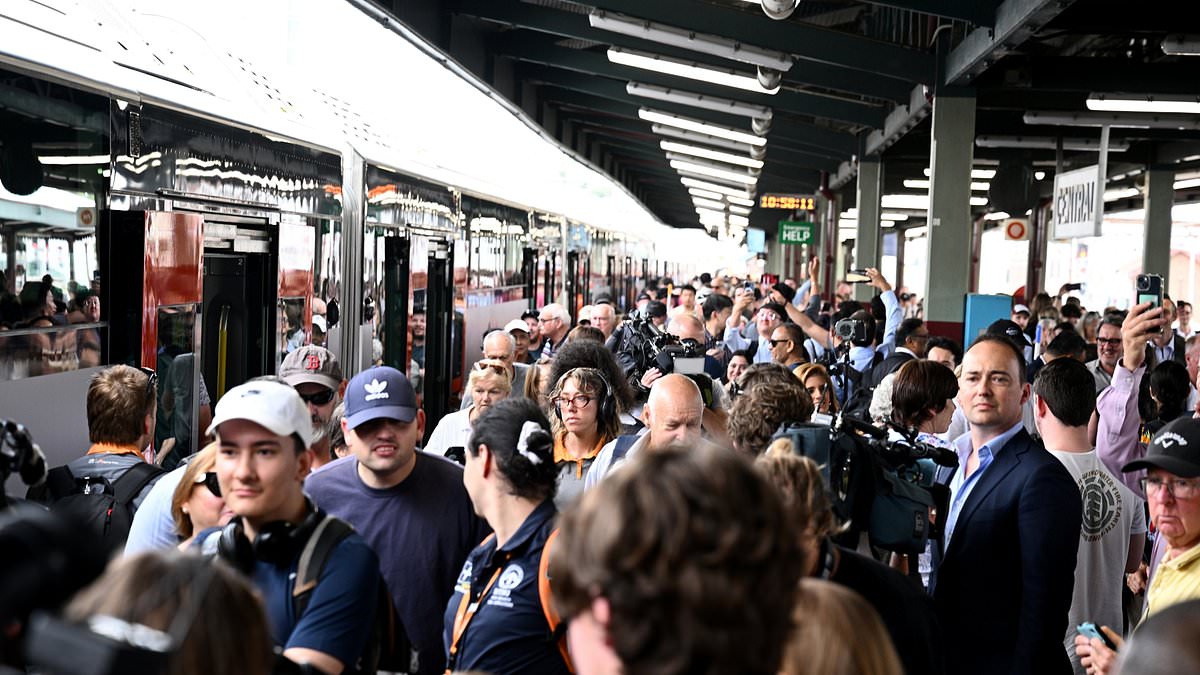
<point>862,388</point>
<point>388,648</point>
<point>104,508</point>
<point>624,443</point>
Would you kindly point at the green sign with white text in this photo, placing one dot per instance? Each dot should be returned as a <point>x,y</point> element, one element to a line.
<point>796,232</point>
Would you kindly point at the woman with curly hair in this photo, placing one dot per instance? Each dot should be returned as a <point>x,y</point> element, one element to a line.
<point>771,395</point>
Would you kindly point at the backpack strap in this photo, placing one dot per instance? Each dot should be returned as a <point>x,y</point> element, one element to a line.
<point>130,484</point>
<point>553,620</point>
<point>624,443</point>
<point>325,537</point>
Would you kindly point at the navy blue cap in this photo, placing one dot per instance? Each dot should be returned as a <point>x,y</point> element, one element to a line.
<point>380,392</point>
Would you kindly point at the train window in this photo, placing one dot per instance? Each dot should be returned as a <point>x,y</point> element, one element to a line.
<point>182,391</point>
<point>56,145</point>
<point>292,334</point>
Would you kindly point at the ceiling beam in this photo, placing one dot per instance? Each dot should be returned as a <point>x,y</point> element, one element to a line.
<point>1085,75</point>
<point>1016,21</point>
<point>978,12</point>
<point>576,26</point>
<point>594,63</point>
<point>805,41</point>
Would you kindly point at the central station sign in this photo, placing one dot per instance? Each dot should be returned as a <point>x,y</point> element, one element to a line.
<point>1078,203</point>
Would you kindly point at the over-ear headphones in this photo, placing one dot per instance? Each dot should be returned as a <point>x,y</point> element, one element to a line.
<point>606,399</point>
<point>277,542</point>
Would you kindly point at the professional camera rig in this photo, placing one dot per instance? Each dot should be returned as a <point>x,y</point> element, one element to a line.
<point>642,345</point>
<point>881,484</point>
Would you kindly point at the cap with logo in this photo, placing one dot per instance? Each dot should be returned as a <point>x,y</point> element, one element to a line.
<point>1008,329</point>
<point>1020,309</point>
<point>318,322</point>
<point>380,392</point>
<point>312,363</point>
<point>1175,449</point>
<point>516,324</point>
<point>271,405</point>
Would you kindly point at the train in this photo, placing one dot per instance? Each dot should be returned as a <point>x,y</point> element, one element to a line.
<point>231,190</point>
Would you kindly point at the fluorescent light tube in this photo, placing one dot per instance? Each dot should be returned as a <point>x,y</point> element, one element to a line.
<point>1119,120</point>
<point>739,201</point>
<point>740,210</point>
<point>681,97</point>
<point>1185,184</point>
<point>705,194</point>
<point>714,155</point>
<point>699,126</point>
<point>1144,103</point>
<point>709,204</point>
<point>713,172</point>
<point>704,43</point>
<point>1048,143</point>
<point>1121,193</point>
<point>706,139</point>
<point>893,216</point>
<point>687,69</point>
<point>997,215</point>
<point>918,184</point>
<point>982,174</point>
<point>739,221</point>
<point>731,192</point>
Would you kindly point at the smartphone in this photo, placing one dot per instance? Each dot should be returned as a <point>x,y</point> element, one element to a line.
<point>858,276</point>
<point>1150,289</point>
<point>1089,631</point>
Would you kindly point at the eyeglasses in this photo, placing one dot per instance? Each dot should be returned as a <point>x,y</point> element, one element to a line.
<point>209,480</point>
<point>1111,342</point>
<point>553,318</point>
<point>580,401</point>
<point>151,380</point>
<point>320,398</point>
<point>1179,489</point>
<point>767,315</point>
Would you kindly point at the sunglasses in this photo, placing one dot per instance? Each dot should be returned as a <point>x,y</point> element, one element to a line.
<point>776,343</point>
<point>151,380</point>
<point>209,479</point>
<point>319,398</point>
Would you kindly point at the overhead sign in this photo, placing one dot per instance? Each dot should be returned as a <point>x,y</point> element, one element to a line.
<point>789,202</point>
<point>1016,229</point>
<point>1078,203</point>
<point>794,232</point>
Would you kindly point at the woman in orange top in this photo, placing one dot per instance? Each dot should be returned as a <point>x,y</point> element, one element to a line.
<point>585,419</point>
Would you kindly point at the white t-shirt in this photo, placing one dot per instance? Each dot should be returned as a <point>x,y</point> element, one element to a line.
<point>1111,514</point>
<point>453,430</point>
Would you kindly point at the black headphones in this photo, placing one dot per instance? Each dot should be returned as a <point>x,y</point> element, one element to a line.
<point>277,542</point>
<point>608,403</point>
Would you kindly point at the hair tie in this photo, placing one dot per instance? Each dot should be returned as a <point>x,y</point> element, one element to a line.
<point>528,429</point>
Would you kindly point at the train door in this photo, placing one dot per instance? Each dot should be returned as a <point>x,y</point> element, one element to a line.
<point>529,264</point>
<point>238,338</point>
<point>443,331</point>
<point>574,286</point>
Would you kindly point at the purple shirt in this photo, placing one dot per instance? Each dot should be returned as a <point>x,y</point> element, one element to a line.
<point>1117,437</point>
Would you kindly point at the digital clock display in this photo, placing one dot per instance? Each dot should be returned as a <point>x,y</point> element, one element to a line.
<point>789,202</point>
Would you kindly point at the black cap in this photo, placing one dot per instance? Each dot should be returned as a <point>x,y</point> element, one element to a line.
<point>1008,329</point>
<point>656,309</point>
<point>529,314</point>
<point>786,291</point>
<point>1175,449</point>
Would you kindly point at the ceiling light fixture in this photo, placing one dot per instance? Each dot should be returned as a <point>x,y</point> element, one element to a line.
<point>730,192</point>
<point>1145,103</point>
<point>715,166</point>
<point>739,201</point>
<point>715,155</point>
<point>705,171</point>
<point>918,184</point>
<point>706,139</point>
<point>739,221</point>
<point>893,216</point>
<point>704,43</point>
<point>1048,143</point>
<point>1177,45</point>
<point>709,204</point>
<point>740,210</point>
<point>913,202</point>
<point>688,69</point>
<point>689,98</point>
<point>699,126</point>
<point>1115,120</point>
<point>705,194</point>
<point>982,174</point>
<point>997,215</point>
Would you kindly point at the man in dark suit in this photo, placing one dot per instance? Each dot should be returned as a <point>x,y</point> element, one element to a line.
<point>1167,345</point>
<point>1004,585</point>
<point>912,339</point>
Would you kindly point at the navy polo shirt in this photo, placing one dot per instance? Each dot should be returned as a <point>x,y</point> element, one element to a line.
<point>508,633</point>
<point>340,612</point>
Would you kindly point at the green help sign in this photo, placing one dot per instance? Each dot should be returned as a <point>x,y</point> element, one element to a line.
<point>795,232</point>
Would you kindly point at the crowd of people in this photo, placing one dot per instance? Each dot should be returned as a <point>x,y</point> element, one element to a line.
<point>637,493</point>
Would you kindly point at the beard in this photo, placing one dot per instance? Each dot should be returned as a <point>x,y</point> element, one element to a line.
<point>320,430</point>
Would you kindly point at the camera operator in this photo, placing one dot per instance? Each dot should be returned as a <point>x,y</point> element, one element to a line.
<point>689,331</point>
<point>628,343</point>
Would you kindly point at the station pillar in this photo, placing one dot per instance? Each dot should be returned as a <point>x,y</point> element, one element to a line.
<point>951,153</point>
<point>866,241</point>
<point>1156,245</point>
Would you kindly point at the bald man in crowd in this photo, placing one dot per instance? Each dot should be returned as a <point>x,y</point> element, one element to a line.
<point>672,415</point>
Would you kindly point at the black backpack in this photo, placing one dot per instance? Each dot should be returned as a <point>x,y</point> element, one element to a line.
<point>858,405</point>
<point>106,508</point>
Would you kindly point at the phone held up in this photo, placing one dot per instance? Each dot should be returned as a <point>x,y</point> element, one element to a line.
<point>1150,289</point>
<point>1089,631</point>
<point>858,276</point>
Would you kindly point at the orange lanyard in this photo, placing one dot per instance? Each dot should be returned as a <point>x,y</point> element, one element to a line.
<point>466,612</point>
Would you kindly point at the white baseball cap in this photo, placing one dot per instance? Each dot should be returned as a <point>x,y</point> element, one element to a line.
<point>516,324</point>
<point>272,405</point>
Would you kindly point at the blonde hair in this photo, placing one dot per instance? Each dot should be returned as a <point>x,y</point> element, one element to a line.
<point>808,370</point>
<point>490,368</point>
<point>836,632</point>
<point>202,463</point>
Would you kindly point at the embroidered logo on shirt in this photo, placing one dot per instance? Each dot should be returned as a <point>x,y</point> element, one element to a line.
<point>511,578</point>
<point>375,389</point>
<point>463,584</point>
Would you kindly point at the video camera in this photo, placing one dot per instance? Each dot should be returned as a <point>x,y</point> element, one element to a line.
<point>644,345</point>
<point>20,455</point>
<point>879,484</point>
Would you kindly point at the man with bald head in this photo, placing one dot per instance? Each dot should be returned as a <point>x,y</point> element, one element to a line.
<point>673,414</point>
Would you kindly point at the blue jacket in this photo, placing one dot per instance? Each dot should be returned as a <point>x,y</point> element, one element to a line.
<point>1003,587</point>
